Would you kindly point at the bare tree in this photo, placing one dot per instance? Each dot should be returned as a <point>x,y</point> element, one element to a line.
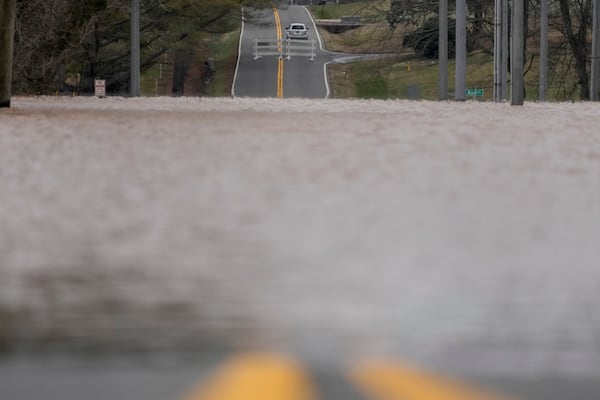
<point>65,44</point>
<point>575,26</point>
<point>48,34</point>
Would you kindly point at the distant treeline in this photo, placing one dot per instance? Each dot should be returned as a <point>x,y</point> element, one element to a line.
<point>63,45</point>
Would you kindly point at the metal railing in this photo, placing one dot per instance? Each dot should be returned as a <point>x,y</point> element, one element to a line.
<point>285,48</point>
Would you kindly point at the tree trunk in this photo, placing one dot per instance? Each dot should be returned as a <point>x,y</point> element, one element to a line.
<point>179,72</point>
<point>578,42</point>
<point>7,30</point>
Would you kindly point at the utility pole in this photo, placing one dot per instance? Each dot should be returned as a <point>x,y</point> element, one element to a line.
<point>505,47</point>
<point>7,31</point>
<point>134,78</point>
<point>595,75</point>
<point>543,51</point>
<point>498,24</point>
<point>443,49</point>
<point>501,47</point>
<point>461,50</point>
<point>516,54</point>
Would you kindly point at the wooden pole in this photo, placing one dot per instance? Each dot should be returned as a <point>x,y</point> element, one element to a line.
<point>7,31</point>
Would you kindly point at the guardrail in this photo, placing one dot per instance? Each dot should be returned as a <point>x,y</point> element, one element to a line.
<point>285,48</point>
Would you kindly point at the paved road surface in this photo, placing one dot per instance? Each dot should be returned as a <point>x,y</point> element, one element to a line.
<point>461,238</point>
<point>258,78</point>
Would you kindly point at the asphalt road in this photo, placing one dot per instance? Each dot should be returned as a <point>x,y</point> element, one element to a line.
<point>173,376</point>
<point>302,78</point>
<point>142,241</point>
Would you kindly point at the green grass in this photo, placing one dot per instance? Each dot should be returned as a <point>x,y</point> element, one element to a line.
<point>153,81</point>
<point>224,51</point>
<point>223,48</point>
<point>372,11</point>
<point>392,78</point>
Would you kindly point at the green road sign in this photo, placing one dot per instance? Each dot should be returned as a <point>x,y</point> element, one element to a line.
<point>474,92</point>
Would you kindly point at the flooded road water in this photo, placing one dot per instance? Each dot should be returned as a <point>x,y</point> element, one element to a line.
<point>459,237</point>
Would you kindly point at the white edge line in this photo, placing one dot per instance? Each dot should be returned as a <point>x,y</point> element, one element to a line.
<point>314,27</point>
<point>237,64</point>
<point>320,47</point>
<point>325,77</point>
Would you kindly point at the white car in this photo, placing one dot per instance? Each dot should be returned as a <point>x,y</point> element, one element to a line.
<point>296,31</point>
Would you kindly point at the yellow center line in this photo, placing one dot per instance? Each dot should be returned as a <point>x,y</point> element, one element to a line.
<point>386,380</point>
<point>280,78</point>
<point>278,29</point>
<point>279,49</point>
<point>256,377</point>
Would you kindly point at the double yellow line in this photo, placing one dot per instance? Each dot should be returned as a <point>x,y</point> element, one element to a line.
<point>256,377</point>
<point>279,49</point>
<point>264,376</point>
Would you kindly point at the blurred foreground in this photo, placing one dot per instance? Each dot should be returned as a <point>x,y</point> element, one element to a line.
<point>457,237</point>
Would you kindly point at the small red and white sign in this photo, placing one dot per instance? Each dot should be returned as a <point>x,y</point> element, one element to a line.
<point>100,87</point>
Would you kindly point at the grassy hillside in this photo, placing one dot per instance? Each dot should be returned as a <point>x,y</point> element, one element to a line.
<point>402,75</point>
<point>221,48</point>
<point>371,11</point>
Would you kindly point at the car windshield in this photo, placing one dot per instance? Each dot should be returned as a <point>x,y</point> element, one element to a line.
<point>297,27</point>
